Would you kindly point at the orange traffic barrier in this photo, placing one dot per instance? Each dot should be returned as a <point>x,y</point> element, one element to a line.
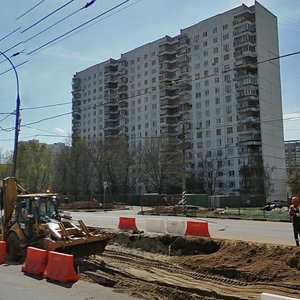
<point>36,261</point>
<point>60,267</point>
<point>3,253</point>
<point>197,228</point>
<point>127,223</point>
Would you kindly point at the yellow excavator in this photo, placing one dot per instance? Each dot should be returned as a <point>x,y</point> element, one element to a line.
<point>35,220</point>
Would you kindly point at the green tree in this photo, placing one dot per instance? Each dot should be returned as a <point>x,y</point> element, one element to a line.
<point>294,181</point>
<point>34,166</point>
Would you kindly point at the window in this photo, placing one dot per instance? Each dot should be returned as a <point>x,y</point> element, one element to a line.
<point>206,63</point>
<point>206,82</point>
<point>205,53</point>
<point>216,49</point>
<point>218,131</point>
<point>229,130</point>
<point>228,98</point>
<point>198,95</point>
<point>196,47</point>
<point>199,134</point>
<point>225,26</point>
<point>228,109</point>
<point>207,113</point>
<point>226,57</point>
<point>227,78</point>
<point>215,40</point>
<point>226,36</point>
<point>216,79</point>
<point>217,100</point>
<point>204,43</point>
<point>205,73</point>
<point>215,30</point>
<point>204,34</point>
<point>206,92</point>
<point>217,90</point>
<point>226,47</point>
<point>228,88</point>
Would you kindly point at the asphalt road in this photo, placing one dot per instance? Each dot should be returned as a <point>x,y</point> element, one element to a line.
<point>15,285</point>
<point>256,231</point>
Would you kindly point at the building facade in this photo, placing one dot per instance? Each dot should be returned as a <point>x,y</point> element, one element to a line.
<point>292,155</point>
<point>214,83</point>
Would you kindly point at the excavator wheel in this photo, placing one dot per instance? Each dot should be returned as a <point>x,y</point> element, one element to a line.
<point>14,251</point>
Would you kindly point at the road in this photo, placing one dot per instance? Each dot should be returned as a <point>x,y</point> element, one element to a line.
<point>15,285</point>
<point>256,231</point>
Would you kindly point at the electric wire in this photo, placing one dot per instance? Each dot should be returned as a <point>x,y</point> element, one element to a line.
<point>77,27</point>
<point>16,66</point>
<point>47,16</point>
<point>61,20</point>
<point>29,10</point>
<point>9,34</point>
<point>46,106</point>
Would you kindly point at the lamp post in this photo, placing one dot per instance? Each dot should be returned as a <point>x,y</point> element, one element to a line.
<point>17,123</point>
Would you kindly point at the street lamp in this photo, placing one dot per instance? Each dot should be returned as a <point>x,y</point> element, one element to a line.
<point>17,123</point>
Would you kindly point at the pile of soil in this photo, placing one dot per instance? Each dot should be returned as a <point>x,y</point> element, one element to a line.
<point>226,269</point>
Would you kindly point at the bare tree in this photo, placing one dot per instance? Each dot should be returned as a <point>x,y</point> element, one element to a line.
<point>256,178</point>
<point>209,174</point>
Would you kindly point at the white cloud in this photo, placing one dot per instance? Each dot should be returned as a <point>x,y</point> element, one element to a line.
<point>60,130</point>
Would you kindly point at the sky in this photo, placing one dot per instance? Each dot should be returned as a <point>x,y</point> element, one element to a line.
<point>50,56</point>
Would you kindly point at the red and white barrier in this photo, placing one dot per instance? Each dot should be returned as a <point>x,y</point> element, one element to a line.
<point>3,253</point>
<point>127,224</point>
<point>266,296</point>
<point>60,267</point>
<point>176,227</point>
<point>155,225</point>
<point>197,229</point>
<point>36,261</point>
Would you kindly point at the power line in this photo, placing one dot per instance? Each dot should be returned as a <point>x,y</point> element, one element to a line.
<point>29,10</point>
<point>61,20</point>
<point>10,33</point>
<point>46,106</point>
<point>50,14</point>
<point>77,27</point>
<point>16,66</point>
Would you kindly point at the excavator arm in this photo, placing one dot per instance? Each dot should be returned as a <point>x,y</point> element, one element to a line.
<point>9,191</point>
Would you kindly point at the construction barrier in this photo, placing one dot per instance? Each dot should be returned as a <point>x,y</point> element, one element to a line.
<point>176,227</point>
<point>197,228</point>
<point>36,261</point>
<point>127,224</point>
<point>3,253</point>
<point>265,296</point>
<point>60,267</point>
<point>155,225</point>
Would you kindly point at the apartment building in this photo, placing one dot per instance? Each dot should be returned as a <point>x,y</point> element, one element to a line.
<point>213,82</point>
<point>292,155</point>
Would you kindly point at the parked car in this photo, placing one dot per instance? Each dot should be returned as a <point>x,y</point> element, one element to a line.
<point>279,203</point>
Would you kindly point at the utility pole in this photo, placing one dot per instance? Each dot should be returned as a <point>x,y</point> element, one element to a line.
<point>183,199</point>
<point>17,122</point>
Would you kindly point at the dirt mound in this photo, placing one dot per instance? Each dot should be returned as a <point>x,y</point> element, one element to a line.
<point>150,266</point>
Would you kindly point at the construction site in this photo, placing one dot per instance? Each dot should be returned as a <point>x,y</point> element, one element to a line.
<point>170,259</point>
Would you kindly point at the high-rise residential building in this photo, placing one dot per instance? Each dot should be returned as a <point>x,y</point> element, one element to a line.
<point>216,82</point>
<point>292,155</point>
